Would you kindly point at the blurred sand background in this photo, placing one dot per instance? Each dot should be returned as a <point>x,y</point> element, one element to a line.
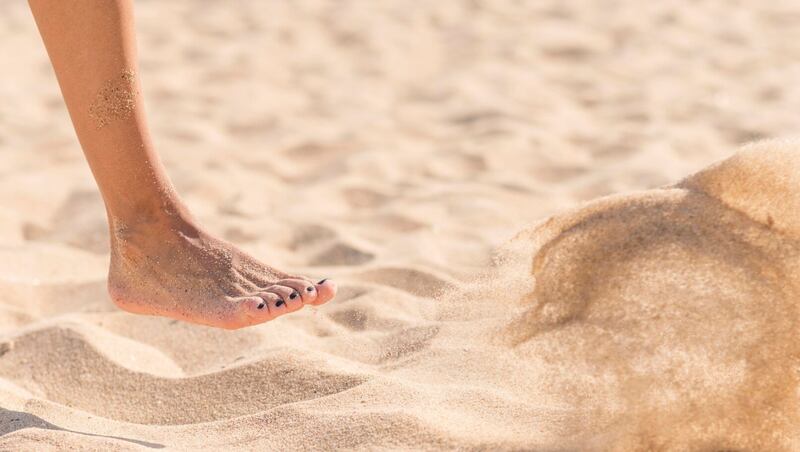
<point>395,146</point>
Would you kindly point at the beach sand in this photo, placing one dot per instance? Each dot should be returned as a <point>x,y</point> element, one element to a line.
<point>414,152</point>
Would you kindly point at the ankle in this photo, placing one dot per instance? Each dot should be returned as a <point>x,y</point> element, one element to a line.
<point>152,220</point>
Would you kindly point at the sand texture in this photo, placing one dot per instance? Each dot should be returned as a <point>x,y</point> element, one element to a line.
<point>503,191</point>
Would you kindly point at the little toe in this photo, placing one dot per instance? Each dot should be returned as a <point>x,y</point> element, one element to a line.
<point>255,310</point>
<point>274,303</point>
<point>290,298</point>
<point>306,289</point>
<point>326,290</point>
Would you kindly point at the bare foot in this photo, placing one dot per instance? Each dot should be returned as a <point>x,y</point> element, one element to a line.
<point>172,268</point>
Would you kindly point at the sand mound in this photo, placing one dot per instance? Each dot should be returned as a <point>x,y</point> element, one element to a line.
<point>686,297</point>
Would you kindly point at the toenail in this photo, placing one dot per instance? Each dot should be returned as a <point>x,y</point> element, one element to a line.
<point>293,295</point>
<point>310,289</point>
<point>323,281</point>
<point>279,303</point>
<point>261,305</point>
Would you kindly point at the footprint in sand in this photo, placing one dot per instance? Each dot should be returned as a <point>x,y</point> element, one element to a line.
<point>688,295</point>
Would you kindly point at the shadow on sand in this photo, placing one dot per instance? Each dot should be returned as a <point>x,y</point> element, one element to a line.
<point>11,421</point>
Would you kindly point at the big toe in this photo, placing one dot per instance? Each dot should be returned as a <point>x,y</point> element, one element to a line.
<point>326,290</point>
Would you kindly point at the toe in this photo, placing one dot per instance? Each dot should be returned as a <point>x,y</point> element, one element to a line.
<point>306,289</point>
<point>290,298</point>
<point>326,290</point>
<point>254,310</point>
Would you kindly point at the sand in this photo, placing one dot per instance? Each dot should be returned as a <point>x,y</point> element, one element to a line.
<point>414,152</point>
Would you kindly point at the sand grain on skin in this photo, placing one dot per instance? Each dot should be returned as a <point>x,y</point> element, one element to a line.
<point>115,100</point>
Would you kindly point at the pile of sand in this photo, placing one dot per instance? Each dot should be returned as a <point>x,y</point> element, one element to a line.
<point>397,148</point>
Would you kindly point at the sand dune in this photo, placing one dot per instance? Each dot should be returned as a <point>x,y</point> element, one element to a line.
<point>398,148</point>
<point>687,296</point>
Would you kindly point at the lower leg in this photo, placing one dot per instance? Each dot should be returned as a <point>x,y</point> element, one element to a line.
<point>162,262</point>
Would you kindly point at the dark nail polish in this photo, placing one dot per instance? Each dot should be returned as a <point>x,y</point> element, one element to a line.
<point>323,281</point>
<point>261,305</point>
<point>279,303</point>
<point>310,289</point>
<point>293,295</point>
